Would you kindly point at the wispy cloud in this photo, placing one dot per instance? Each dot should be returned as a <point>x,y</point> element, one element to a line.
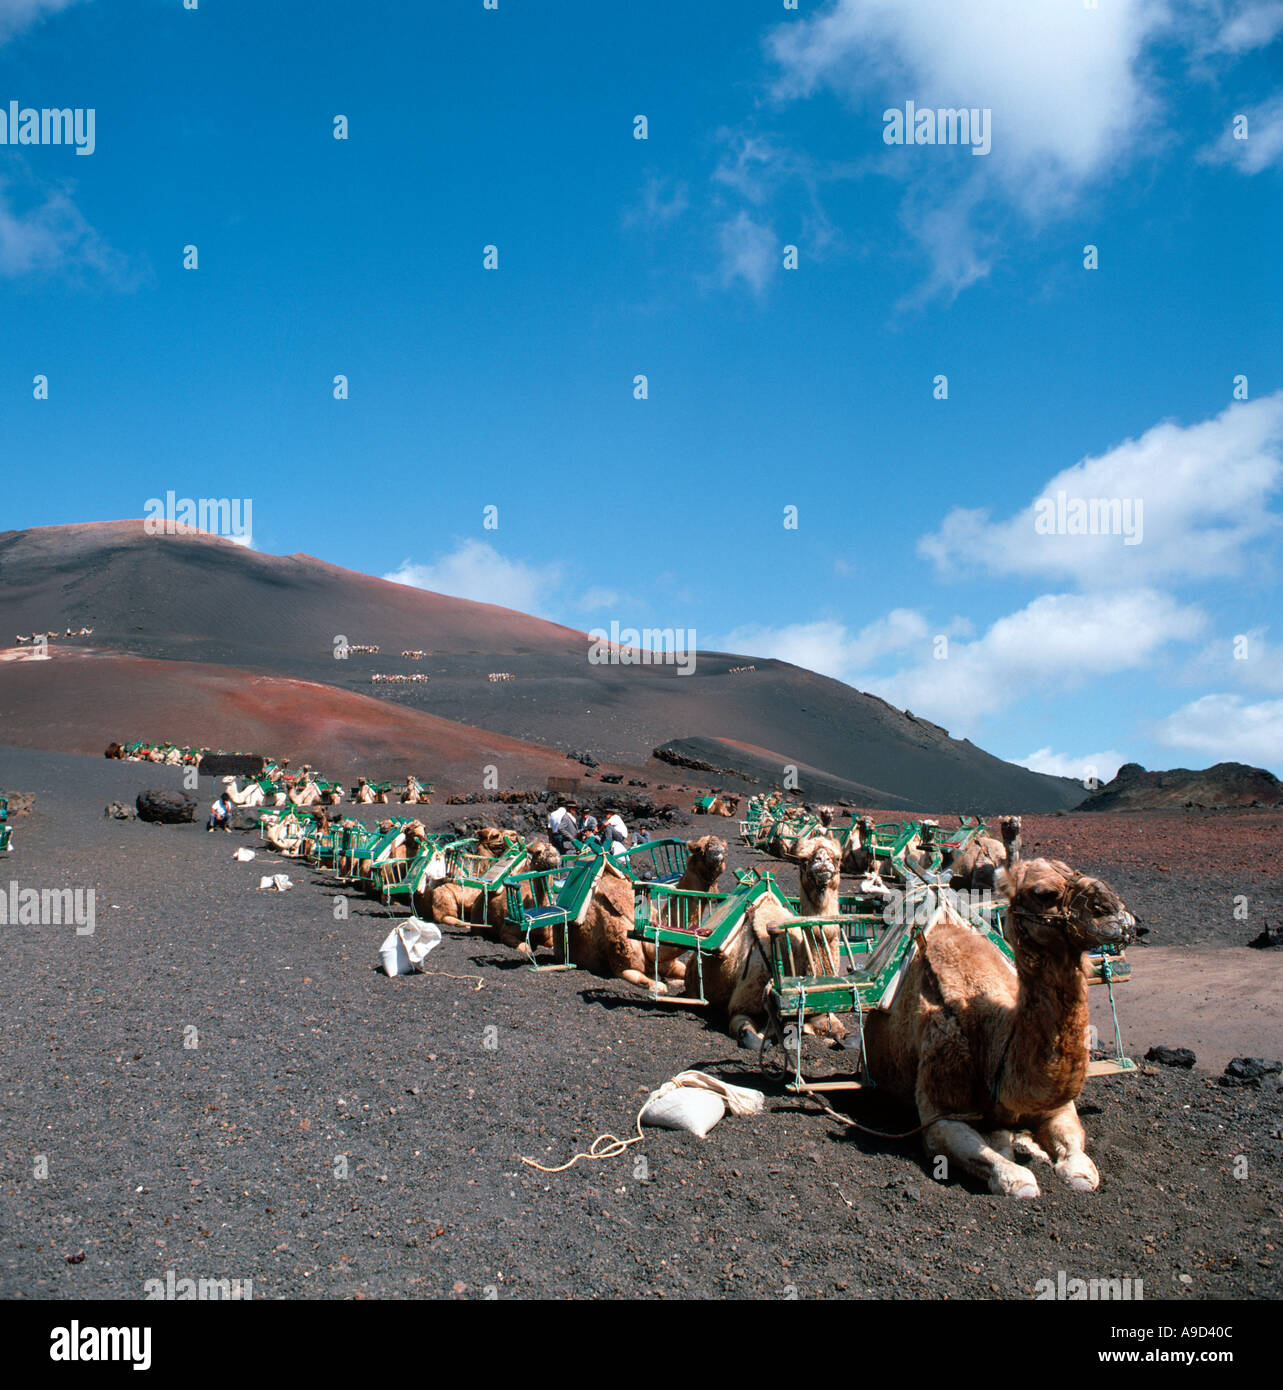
<point>17,15</point>
<point>750,252</point>
<point>46,233</point>
<point>1261,145</point>
<point>477,571</point>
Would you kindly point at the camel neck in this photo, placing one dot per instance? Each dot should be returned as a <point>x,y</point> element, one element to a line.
<point>1047,1055</point>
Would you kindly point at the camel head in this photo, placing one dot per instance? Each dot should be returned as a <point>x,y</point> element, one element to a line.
<point>542,856</point>
<point>822,866</point>
<point>1053,904</point>
<point>826,815</point>
<point>384,826</point>
<point>1009,828</point>
<point>492,841</point>
<point>415,831</point>
<point>708,856</point>
<point>927,835</point>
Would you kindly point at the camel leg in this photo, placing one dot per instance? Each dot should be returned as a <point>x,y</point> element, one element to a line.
<point>1028,1150</point>
<point>1063,1137</point>
<point>1002,1141</point>
<point>745,1034</point>
<point>643,981</point>
<point>957,1140</point>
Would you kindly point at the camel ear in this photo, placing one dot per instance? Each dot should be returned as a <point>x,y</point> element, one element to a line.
<point>692,846</point>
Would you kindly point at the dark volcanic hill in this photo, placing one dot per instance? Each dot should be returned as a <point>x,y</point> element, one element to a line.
<point>1224,784</point>
<point>201,599</point>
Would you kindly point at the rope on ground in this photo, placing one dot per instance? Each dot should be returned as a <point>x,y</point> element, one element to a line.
<point>480,981</point>
<point>614,1147</point>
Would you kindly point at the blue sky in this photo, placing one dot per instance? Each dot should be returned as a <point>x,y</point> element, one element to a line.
<point>768,387</point>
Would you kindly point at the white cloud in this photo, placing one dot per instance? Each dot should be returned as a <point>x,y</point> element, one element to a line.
<point>1263,146</point>
<point>749,251</point>
<point>52,235</point>
<point>662,202</point>
<point>1203,491</point>
<point>1057,642</point>
<point>1225,728</point>
<point>1102,766</point>
<point>829,647</point>
<point>1067,87</point>
<point>1254,26</point>
<point>16,15</point>
<point>475,570</point>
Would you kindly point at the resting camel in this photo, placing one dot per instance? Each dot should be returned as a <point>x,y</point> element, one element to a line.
<point>784,840</point>
<point>413,792</point>
<point>978,864</point>
<point>453,904</point>
<point>819,879</point>
<point>859,854</point>
<point>250,795</point>
<point>364,795</point>
<point>994,1060</point>
<point>919,855</point>
<point>722,805</point>
<point>735,977</point>
<point>600,944</point>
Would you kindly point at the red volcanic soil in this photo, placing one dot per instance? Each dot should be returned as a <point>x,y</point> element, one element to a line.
<point>82,700</point>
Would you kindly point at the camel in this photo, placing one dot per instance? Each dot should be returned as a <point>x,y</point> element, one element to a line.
<point>413,792</point>
<point>250,795</point>
<point>819,878</point>
<point>453,904</point>
<point>859,854</point>
<point>977,866</point>
<point>285,835</point>
<point>919,855</point>
<point>600,944</point>
<point>364,795</point>
<point>994,1060</point>
<point>721,805</point>
<point>735,977</point>
<point>705,864</point>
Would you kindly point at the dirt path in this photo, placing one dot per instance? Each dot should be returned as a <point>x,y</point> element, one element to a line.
<point>1221,1002</point>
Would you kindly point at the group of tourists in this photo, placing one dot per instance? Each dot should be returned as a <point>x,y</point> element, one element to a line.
<point>565,828</point>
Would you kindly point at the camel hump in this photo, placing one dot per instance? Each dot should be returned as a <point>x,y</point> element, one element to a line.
<point>967,965</point>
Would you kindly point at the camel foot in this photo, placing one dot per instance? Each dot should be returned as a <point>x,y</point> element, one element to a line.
<point>1029,1150</point>
<point>1079,1172</point>
<point>1011,1180</point>
<point>749,1039</point>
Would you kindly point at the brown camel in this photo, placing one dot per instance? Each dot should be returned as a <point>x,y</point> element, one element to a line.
<point>722,805</point>
<point>453,904</point>
<point>986,1053</point>
<point>819,878</point>
<point>977,866</point>
<point>364,793</point>
<point>735,977</point>
<point>859,854</point>
<point>600,944</point>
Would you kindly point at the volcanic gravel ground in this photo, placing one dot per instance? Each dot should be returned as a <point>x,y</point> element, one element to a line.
<point>219,1160</point>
